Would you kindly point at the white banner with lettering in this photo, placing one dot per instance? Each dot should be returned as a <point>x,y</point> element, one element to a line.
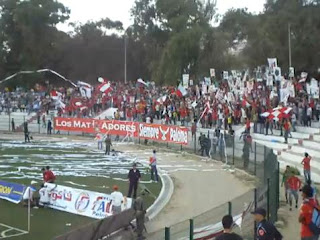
<point>83,202</point>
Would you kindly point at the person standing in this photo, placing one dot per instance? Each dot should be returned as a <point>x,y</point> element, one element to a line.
<point>48,175</point>
<point>153,165</point>
<point>286,175</point>
<point>117,200</point>
<point>227,223</point>
<point>140,212</point>
<point>306,211</point>
<point>294,184</point>
<point>44,125</point>
<point>265,229</point>
<point>26,132</point>
<point>306,167</point>
<point>286,127</point>
<point>13,125</point>
<point>49,129</point>
<point>134,178</point>
<point>108,144</point>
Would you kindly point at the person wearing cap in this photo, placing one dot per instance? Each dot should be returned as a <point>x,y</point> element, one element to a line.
<point>306,211</point>
<point>134,178</point>
<point>265,229</point>
<point>140,212</point>
<point>306,167</point>
<point>28,195</point>
<point>294,184</point>
<point>117,200</point>
<point>227,223</point>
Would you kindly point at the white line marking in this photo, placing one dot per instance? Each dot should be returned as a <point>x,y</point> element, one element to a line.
<point>4,232</point>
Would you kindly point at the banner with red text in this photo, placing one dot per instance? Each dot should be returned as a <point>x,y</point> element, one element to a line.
<point>163,133</point>
<point>88,125</point>
<point>156,132</point>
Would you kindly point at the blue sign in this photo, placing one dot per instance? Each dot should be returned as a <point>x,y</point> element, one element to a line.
<point>12,192</point>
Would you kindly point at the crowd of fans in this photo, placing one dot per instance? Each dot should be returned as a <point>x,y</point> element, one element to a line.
<point>224,103</point>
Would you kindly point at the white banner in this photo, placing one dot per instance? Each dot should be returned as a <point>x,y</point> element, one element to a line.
<point>83,202</point>
<point>185,80</point>
<point>212,72</point>
<point>225,75</point>
<point>273,63</point>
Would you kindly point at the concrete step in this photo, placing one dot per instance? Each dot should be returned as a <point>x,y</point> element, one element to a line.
<point>275,139</point>
<point>309,130</point>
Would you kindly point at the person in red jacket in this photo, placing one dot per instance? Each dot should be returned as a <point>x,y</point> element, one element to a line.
<point>48,175</point>
<point>306,167</point>
<point>294,185</point>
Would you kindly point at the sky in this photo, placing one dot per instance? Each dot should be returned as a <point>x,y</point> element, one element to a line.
<point>85,10</point>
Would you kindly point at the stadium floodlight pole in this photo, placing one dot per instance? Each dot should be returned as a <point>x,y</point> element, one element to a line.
<point>289,43</point>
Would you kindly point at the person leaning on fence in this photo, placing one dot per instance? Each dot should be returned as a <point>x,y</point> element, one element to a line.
<point>286,175</point>
<point>265,229</point>
<point>227,223</point>
<point>306,167</point>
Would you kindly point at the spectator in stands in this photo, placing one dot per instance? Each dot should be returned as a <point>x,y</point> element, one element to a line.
<point>44,124</point>
<point>265,229</point>
<point>286,127</point>
<point>13,126</point>
<point>134,177</point>
<point>306,211</point>
<point>294,185</point>
<point>227,223</point>
<point>153,165</point>
<point>117,200</point>
<point>306,167</point>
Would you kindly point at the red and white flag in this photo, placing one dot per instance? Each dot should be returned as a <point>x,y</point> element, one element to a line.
<point>162,99</point>
<point>140,81</point>
<point>105,87</point>
<point>181,91</point>
<point>55,95</point>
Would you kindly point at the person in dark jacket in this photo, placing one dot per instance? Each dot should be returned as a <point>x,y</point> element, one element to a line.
<point>134,178</point>
<point>26,132</point>
<point>265,229</point>
<point>140,212</point>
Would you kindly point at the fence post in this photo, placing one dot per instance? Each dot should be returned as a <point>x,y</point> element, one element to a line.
<point>278,189</point>
<point>233,148</point>
<point>255,207</point>
<point>166,232</point>
<point>268,199</point>
<point>181,147</point>
<point>230,208</point>
<point>9,120</point>
<point>191,229</point>
<point>195,142</point>
<point>255,158</point>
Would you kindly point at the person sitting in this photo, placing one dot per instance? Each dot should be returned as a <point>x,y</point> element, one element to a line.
<point>28,197</point>
<point>44,193</point>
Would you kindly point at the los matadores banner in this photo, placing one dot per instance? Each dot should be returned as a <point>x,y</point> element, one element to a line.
<point>156,132</point>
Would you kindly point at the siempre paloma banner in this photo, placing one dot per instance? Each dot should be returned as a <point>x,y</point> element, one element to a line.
<point>156,132</point>
<point>11,192</point>
<point>82,202</point>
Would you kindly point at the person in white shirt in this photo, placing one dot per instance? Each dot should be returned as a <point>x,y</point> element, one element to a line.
<point>28,195</point>
<point>44,193</point>
<point>117,200</point>
<point>309,116</point>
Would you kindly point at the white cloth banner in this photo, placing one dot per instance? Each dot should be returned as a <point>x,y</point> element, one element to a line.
<point>83,202</point>
<point>272,64</point>
<point>185,80</point>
